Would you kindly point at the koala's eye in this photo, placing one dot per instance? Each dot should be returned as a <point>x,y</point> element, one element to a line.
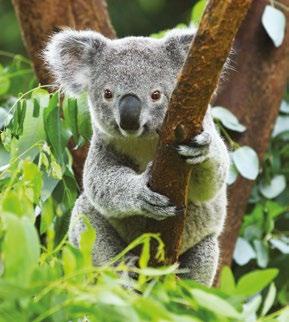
<point>156,95</point>
<point>107,94</point>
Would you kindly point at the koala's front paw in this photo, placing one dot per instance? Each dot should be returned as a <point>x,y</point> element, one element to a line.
<point>156,206</point>
<point>197,150</point>
<point>153,204</point>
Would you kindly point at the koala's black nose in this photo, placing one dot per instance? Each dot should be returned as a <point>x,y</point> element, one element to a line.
<point>129,112</point>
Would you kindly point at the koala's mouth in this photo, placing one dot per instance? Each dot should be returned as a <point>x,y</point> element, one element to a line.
<point>134,134</point>
<point>142,131</point>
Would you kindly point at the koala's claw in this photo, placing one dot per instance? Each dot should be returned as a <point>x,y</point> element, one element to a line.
<point>197,150</point>
<point>160,213</point>
<point>157,206</point>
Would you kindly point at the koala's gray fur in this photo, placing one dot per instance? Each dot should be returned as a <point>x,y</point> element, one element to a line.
<point>116,197</point>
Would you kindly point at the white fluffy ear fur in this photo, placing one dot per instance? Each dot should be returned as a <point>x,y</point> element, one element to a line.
<point>70,55</point>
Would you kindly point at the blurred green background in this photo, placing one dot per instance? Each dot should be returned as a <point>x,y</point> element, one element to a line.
<point>129,17</point>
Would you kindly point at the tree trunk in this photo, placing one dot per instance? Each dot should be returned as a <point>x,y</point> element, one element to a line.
<point>188,105</point>
<point>40,18</point>
<point>253,93</point>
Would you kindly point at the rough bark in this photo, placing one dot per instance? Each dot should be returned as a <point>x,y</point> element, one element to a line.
<point>253,93</point>
<point>38,19</point>
<point>196,84</point>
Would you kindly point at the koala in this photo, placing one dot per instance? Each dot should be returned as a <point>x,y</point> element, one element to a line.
<point>129,82</point>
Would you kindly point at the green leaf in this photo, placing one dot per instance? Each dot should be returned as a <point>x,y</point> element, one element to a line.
<point>36,108</point>
<point>274,22</point>
<point>215,304</point>
<point>33,133</point>
<point>160,271</point>
<point>284,316</point>
<point>274,188</point>
<point>17,202</point>
<point>47,215</point>
<point>87,239</point>
<point>269,300</point>
<point>227,118</point>
<point>256,281</point>
<point>83,117</point>
<point>41,96</point>
<point>227,281</point>
<point>53,128</point>
<point>4,81</point>
<point>247,162</point>
<point>197,11</point>
<point>32,177</point>
<point>49,185</point>
<point>70,112</point>
<point>69,261</point>
<point>4,158</point>
<point>262,252</point>
<point>274,209</point>
<point>244,252</point>
<point>21,249</point>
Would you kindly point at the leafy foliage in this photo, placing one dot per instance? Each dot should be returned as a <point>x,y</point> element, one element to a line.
<point>264,240</point>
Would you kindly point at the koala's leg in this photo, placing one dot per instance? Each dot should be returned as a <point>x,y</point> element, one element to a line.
<point>201,260</point>
<point>107,244</point>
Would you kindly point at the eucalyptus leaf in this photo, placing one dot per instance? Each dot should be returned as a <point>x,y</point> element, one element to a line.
<point>274,188</point>
<point>262,252</point>
<point>274,22</point>
<point>244,252</point>
<point>21,249</point>
<point>215,304</point>
<point>269,300</point>
<point>254,282</point>
<point>281,125</point>
<point>247,162</point>
<point>284,107</point>
<point>70,116</point>
<point>86,242</point>
<point>4,81</point>
<point>4,158</point>
<point>53,128</point>
<point>227,281</point>
<point>281,245</point>
<point>227,118</point>
<point>197,11</point>
<point>33,134</point>
<point>5,117</point>
<point>83,117</point>
<point>251,307</point>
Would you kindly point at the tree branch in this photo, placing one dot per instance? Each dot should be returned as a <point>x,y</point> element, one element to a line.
<point>38,20</point>
<point>188,105</point>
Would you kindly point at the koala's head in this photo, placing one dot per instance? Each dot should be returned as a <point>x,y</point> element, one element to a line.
<point>129,81</point>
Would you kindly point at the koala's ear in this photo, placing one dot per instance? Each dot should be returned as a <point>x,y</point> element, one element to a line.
<point>69,55</point>
<point>177,43</point>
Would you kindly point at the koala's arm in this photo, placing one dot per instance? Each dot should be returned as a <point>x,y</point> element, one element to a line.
<point>116,190</point>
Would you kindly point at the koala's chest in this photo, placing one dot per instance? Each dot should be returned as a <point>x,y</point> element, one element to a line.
<point>140,152</point>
